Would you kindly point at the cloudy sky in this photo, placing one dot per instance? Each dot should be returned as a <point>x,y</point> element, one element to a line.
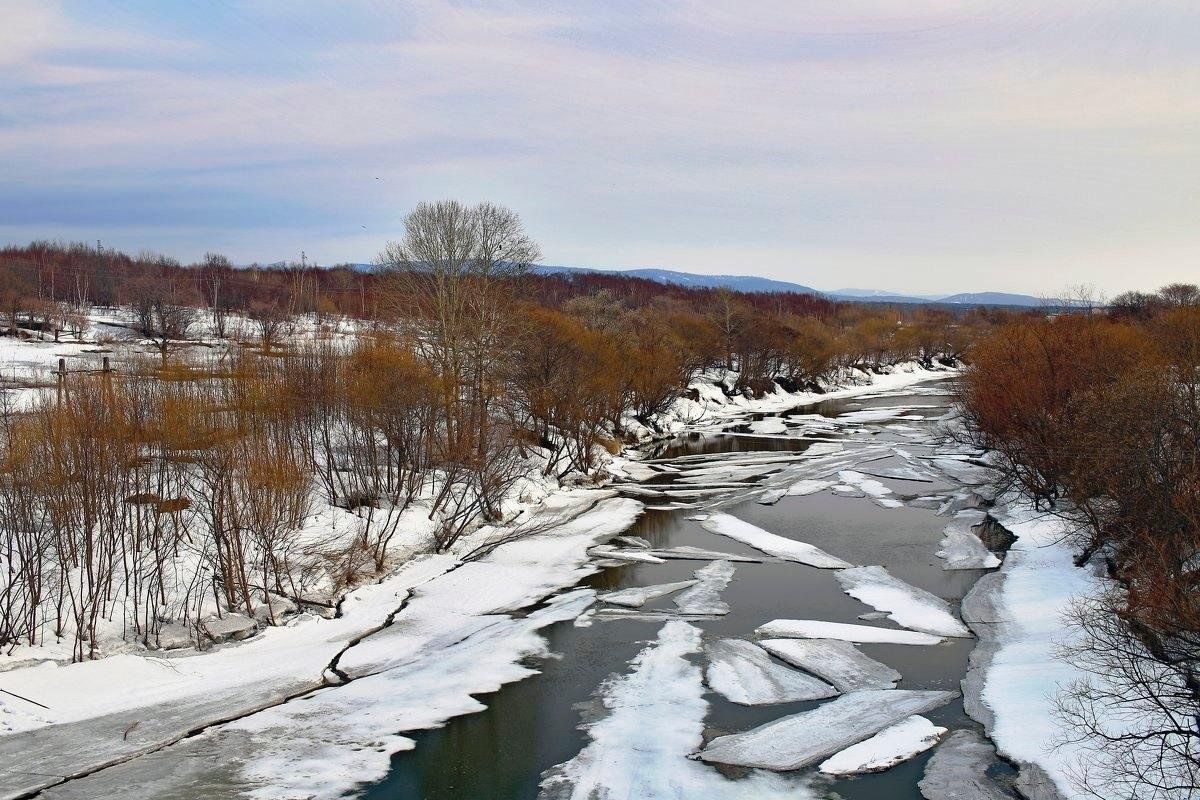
<point>922,145</point>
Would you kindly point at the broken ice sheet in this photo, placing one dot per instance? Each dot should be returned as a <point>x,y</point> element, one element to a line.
<point>638,596</point>
<point>840,663</point>
<point>905,604</point>
<point>798,740</point>
<point>819,629</point>
<point>770,543</point>
<point>886,749</point>
<point>744,673</point>
<point>340,736</point>
<point>704,596</point>
<point>962,548</point>
<point>607,552</point>
<point>808,486</point>
<point>688,553</point>
<point>959,770</point>
<point>768,425</point>
<point>655,721</point>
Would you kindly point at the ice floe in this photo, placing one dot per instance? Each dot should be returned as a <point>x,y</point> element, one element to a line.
<point>863,634</point>
<point>744,673</point>
<point>689,553</point>
<point>904,604</point>
<point>608,552</point>
<point>965,472</point>
<point>808,486</point>
<point>768,425</point>
<point>962,548</point>
<point>886,749</point>
<point>838,662</point>
<point>770,543</point>
<point>655,720</point>
<point>704,596</point>
<point>798,740</point>
<point>638,596</point>
<point>958,770</point>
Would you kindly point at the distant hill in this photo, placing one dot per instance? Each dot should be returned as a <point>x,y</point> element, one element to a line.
<point>876,296</point>
<point>755,283</point>
<point>999,299</point>
<point>741,283</point>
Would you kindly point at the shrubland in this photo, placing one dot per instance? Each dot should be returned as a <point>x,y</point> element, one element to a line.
<point>239,456</point>
<point>1096,417</point>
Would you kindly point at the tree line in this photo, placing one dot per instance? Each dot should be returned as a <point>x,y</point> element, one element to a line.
<point>225,478</point>
<point>1097,417</point>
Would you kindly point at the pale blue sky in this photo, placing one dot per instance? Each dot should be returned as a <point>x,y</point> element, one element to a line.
<point>921,145</point>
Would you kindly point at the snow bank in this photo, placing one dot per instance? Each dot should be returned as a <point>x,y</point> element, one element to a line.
<point>904,604</point>
<point>345,735</point>
<point>770,543</point>
<point>1039,583</point>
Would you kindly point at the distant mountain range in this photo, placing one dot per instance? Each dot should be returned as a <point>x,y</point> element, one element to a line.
<point>754,283</point>
<point>741,283</point>
<point>964,298</point>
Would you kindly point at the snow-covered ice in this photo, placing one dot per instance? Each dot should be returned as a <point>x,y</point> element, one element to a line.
<point>886,749</point>
<point>863,634</point>
<point>904,604</point>
<point>808,486</point>
<point>768,425</point>
<point>704,597</point>
<point>907,473</point>
<point>962,548</point>
<point>770,543</point>
<point>655,719</point>
<point>965,472</point>
<point>638,596</point>
<point>839,662</point>
<point>624,554</point>
<point>744,673</point>
<point>344,735</point>
<point>799,740</point>
<point>688,553</point>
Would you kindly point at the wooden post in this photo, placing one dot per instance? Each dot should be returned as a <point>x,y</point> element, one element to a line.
<point>62,377</point>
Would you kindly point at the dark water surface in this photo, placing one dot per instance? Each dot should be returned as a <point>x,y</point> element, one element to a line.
<point>532,725</point>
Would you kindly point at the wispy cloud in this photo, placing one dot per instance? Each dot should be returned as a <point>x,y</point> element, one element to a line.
<point>974,144</point>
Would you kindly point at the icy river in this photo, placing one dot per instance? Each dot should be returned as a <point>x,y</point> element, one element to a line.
<point>778,622</point>
<point>875,498</point>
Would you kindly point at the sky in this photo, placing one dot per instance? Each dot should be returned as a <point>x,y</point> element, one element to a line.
<point>924,146</point>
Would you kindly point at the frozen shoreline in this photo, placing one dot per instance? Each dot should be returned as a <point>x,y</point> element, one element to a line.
<point>110,710</point>
<point>1014,671</point>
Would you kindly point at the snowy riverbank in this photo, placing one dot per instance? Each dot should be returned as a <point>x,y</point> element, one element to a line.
<point>1019,614</point>
<point>103,712</point>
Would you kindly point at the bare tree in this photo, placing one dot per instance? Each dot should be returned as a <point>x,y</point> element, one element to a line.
<point>453,271</point>
<point>270,319</point>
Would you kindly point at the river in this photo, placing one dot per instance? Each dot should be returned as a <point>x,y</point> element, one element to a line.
<point>878,495</point>
<point>531,726</point>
